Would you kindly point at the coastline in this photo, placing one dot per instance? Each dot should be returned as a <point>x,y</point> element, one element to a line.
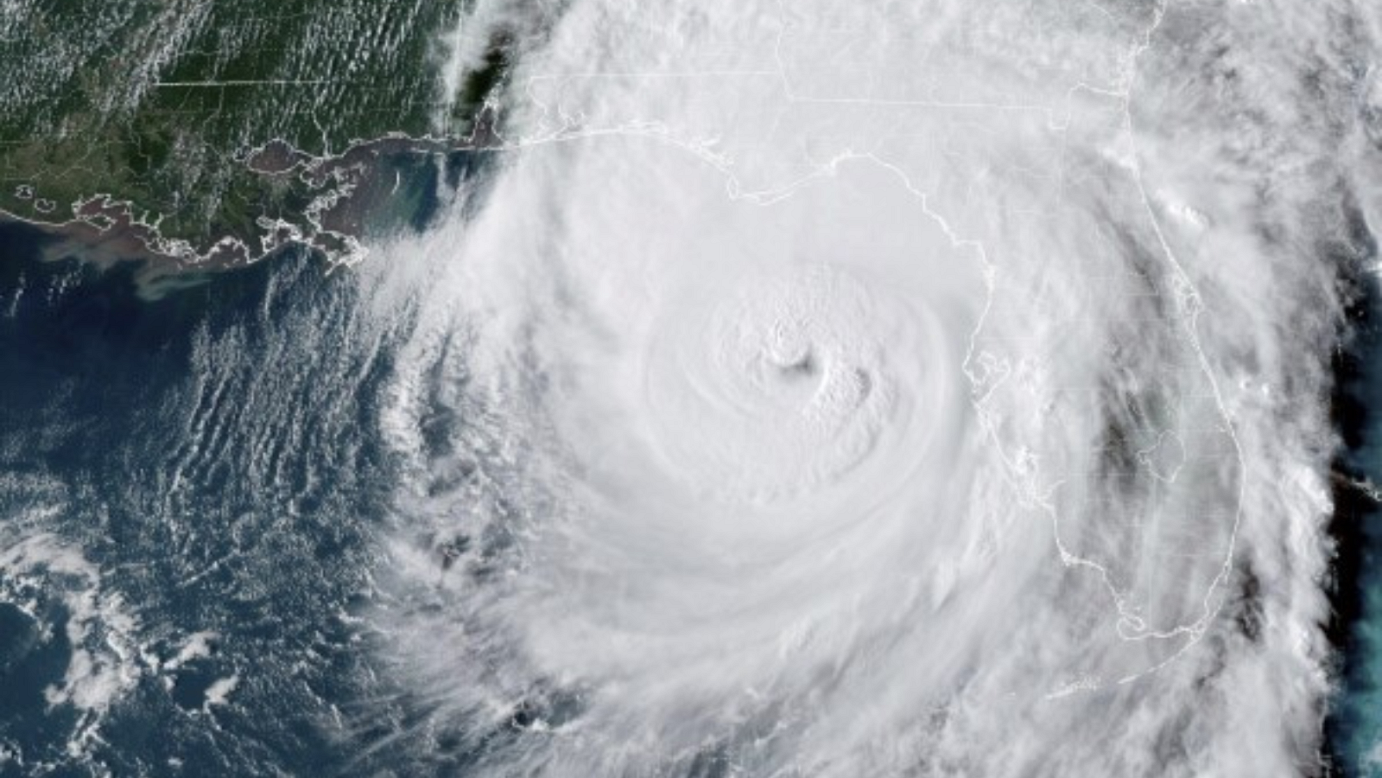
<point>348,191</point>
<point>1354,586</point>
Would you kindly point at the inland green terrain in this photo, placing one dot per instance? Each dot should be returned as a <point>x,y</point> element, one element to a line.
<point>210,131</point>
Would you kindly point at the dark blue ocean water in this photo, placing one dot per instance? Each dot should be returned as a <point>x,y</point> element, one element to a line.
<point>1355,723</point>
<point>214,456</point>
<point>222,475</point>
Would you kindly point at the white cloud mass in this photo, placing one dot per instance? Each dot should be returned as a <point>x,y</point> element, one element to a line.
<point>867,389</point>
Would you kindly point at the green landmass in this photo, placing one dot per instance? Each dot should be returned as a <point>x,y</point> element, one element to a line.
<point>160,103</point>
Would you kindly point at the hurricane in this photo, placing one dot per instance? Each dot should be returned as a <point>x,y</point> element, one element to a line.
<point>881,391</point>
<point>838,389</point>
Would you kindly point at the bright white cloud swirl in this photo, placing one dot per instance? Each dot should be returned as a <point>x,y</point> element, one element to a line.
<point>843,389</point>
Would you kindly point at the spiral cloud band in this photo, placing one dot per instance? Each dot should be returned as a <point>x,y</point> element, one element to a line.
<point>901,389</point>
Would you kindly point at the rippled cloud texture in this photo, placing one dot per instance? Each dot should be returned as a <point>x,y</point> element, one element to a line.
<point>844,389</point>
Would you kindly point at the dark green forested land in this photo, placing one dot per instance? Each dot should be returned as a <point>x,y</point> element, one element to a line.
<point>158,102</point>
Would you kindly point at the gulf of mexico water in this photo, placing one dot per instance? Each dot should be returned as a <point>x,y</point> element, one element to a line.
<point>189,491</point>
<point>157,446</point>
<point>187,487</point>
<point>194,486</point>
